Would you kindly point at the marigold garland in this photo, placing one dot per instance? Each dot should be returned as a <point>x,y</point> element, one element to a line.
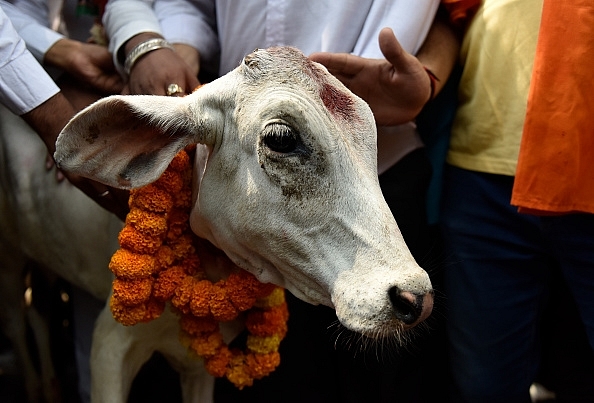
<point>158,262</point>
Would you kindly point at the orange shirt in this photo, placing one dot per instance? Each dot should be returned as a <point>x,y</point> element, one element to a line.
<point>555,171</point>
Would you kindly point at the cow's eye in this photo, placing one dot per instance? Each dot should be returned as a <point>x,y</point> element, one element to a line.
<point>281,138</point>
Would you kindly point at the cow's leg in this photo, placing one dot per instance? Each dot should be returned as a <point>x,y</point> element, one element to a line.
<point>116,357</point>
<point>41,333</point>
<point>197,385</point>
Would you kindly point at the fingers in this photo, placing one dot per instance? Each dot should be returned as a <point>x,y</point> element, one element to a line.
<point>111,199</point>
<point>391,49</point>
<point>339,64</point>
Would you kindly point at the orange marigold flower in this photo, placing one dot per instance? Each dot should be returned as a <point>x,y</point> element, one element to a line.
<point>195,326</point>
<point>191,265</point>
<point>221,308</point>
<point>151,198</point>
<point>170,181</point>
<point>154,309</point>
<point>127,315</point>
<point>260,365</point>
<point>263,345</point>
<point>183,294</point>
<point>167,281</point>
<point>180,162</point>
<point>269,322</point>
<point>183,199</point>
<point>264,290</point>
<point>240,290</point>
<point>138,242</point>
<point>274,298</point>
<point>127,264</point>
<point>207,345</point>
<point>147,222</point>
<point>182,247</point>
<point>217,364</point>
<point>199,303</point>
<point>132,292</point>
<point>178,223</point>
<point>164,257</point>
<point>238,373</point>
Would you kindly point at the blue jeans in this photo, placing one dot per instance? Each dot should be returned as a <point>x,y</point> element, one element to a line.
<point>498,281</point>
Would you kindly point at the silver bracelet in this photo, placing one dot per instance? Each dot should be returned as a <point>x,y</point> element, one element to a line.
<point>142,49</point>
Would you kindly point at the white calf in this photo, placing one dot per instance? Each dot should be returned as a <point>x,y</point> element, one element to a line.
<point>288,188</point>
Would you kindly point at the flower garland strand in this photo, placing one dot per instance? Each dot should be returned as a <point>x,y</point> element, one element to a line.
<point>158,262</point>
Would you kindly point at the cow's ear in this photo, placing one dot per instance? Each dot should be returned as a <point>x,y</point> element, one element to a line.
<point>126,141</point>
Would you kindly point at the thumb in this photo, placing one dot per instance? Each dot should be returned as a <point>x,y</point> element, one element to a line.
<point>392,50</point>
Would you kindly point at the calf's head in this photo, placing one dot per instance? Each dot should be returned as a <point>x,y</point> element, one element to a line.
<point>285,182</point>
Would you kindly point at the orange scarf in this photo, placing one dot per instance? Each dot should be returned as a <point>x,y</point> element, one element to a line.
<point>555,172</point>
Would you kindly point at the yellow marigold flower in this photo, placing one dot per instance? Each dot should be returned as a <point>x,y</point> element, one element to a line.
<point>132,292</point>
<point>127,315</point>
<point>127,264</point>
<point>151,198</point>
<point>268,322</point>
<point>153,224</point>
<point>136,241</point>
<point>238,373</point>
<point>220,306</point>
<point>208,344</point>
<point>200,300</point>
<point>260,365</point>
<point>217,364</point>
<point>263,345</point>
<point>275,298</point>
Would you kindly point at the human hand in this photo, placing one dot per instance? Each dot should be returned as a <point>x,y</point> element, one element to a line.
<point>48,120</point>
<point>90,63</point>
<point>111,199</point>
<point>396,88</point>
<point>156,70</point>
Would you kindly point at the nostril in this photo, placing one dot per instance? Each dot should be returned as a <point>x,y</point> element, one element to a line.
<point>407,306</point>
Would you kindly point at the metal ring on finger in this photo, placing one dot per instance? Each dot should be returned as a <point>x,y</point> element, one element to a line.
<point>174,89</point>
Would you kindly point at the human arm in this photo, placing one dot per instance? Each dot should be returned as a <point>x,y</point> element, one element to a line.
<point>89,63</point>
<point>155,70</point>
<point>398,86</point>
<point>27,90</point>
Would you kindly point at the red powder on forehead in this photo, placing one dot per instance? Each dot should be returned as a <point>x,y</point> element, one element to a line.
<point>337,102</point>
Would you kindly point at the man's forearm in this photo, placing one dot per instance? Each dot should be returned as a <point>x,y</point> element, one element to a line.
<point>49,118</point>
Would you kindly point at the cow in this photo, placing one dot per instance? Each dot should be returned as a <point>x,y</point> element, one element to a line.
<point>285,184</point>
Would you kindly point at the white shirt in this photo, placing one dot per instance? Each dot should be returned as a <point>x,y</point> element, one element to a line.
<point>24,84</point>
<point>234,28</point>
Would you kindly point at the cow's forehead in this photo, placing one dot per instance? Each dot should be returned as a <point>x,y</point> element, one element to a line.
<point>263,65</point>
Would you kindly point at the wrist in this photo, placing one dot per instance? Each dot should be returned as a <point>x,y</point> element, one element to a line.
<point>141,49</point>
<point>433,82</point>
<point>60,53</point>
